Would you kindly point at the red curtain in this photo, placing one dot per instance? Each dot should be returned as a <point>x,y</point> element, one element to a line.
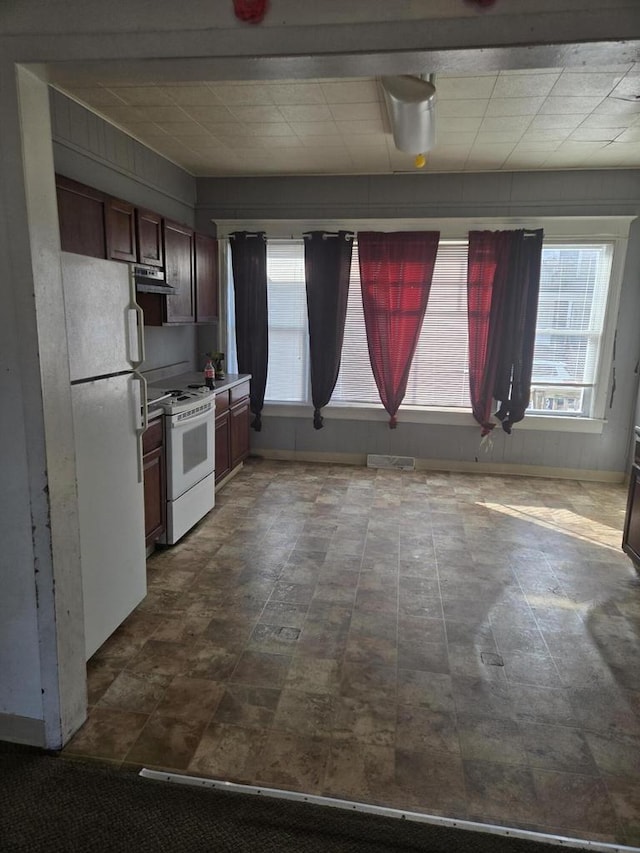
<point>503,282</point>
<point>396,270</point>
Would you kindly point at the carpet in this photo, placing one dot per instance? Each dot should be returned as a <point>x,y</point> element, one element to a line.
<point>49,803</point>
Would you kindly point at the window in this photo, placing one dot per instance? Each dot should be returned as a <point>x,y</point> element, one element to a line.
<point>574,286</point>
<point>574,281</point>
<point>288,367</point>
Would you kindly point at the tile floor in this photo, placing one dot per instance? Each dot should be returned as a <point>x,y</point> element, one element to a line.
<point>460,645</point>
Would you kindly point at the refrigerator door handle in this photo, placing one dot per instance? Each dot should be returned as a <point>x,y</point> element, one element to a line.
<point>136,317</point>
<point>144,423</point>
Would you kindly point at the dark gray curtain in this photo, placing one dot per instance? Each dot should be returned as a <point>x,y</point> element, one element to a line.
<point>515,366</point>
<point>327,264</point>
<point>503,285</point>
<point>249,264</point>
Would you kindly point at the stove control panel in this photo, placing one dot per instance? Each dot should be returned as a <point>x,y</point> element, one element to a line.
<point>187,401</point>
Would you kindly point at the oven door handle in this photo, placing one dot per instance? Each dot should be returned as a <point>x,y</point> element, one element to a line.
<point>187,422</point>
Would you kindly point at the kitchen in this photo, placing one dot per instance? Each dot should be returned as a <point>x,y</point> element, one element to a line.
<point>166,736</point>
<point>120,424</point>
<point>617,200</point>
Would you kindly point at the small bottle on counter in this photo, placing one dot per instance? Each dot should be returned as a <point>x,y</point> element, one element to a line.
<point>209,374</point>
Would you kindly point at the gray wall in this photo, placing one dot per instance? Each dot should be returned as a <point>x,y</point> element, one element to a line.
<point>575,193</point>
<point>90,150</point>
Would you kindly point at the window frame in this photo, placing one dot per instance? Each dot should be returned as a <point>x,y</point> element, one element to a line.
<point>614,229</point>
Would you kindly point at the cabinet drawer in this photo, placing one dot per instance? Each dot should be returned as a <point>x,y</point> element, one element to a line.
<point>238,392</point>
<point>152,437</point>
<point>222,402</point>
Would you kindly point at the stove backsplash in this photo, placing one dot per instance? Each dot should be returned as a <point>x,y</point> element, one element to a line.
<point>169,350</point>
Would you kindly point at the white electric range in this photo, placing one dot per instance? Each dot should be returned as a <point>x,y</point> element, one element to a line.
<point>189,415</point>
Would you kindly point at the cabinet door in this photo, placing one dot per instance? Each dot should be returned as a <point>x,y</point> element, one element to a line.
<point>149,237</point>
<point>206,272</point>
<point>82,216</point>
<point>121,230</point>
<point>239,427</point>
<point>154,495</point>
<point>223,460</point>
<point>631,536</point>
<point>178,266</point>
<point>154,481</point>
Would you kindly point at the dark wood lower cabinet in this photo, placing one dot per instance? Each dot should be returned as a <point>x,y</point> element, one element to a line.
<point>232,429</point>
<point>239,431</point>
<point>153,464</point>
<point>631,535</point>
<point>223,459</point>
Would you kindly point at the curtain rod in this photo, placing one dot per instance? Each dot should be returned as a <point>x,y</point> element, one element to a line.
<point>348,235</point>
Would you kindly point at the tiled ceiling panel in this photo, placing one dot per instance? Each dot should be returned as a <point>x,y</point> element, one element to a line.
<point>549,118</point>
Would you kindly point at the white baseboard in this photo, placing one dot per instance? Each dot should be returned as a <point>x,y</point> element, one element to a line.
<point>457,466</point>
<point>25,730</point>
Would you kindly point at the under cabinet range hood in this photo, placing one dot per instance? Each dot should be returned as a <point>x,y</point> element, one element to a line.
<point>151,280</point>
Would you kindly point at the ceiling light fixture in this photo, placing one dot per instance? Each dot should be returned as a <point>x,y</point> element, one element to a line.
<point>410,103</point>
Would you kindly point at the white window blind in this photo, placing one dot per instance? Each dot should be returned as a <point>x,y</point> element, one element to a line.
<point>288,366</point>
<point>439,373</point>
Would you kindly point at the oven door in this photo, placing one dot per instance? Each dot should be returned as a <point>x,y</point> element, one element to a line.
<point>190,450</point>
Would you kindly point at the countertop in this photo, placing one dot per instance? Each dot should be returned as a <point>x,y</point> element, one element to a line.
<point>184,379</point>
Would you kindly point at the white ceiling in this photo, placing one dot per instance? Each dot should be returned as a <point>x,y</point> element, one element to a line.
<point>549,118</point>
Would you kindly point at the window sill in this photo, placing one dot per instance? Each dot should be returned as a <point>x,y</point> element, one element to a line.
<point>442,416</point>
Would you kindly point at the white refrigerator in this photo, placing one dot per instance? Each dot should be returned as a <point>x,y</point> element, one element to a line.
<point>104,334</point>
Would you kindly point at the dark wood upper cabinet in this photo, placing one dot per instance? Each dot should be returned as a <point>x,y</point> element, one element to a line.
<point>178,266</point>
<point>121,231</point>
<point>149,237</point>
<point>206,273</point>
<point>82,216</point>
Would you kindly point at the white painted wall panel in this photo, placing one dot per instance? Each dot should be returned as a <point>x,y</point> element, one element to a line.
<point>94,152</point>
